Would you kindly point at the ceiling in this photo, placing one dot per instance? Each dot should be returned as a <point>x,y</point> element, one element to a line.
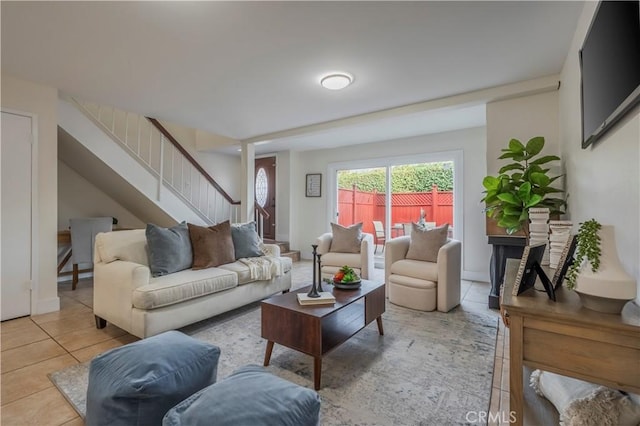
<point>251,70</point>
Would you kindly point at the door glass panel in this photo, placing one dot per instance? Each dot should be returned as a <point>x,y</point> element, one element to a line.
<point>423,194</point>
<point>361,198</point>
<point>262,187</point>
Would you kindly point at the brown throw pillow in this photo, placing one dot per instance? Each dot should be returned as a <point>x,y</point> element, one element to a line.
<point>425,244</point>
<point>346,240</point>
<point>212,246</point>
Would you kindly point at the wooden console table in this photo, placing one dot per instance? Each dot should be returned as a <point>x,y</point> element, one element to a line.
<point>564,338</point>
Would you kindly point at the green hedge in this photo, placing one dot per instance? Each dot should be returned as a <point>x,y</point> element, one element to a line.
<point>409,178</point>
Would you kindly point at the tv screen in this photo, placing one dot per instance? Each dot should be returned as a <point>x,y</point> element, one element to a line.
<point>610,67</point>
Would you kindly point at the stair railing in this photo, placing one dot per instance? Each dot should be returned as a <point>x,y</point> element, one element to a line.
<point>146,140</point>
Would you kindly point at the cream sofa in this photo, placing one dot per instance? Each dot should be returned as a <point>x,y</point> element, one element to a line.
<point>127,296</point>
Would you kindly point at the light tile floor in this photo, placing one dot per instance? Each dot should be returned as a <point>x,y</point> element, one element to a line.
<point>32,347</point>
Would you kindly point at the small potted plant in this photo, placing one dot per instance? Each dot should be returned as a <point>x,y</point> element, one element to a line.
<point>588,250</point>
<point>520,185</point>
<point>596,273</point>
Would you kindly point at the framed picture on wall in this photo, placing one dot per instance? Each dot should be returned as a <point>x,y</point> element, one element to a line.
<point>314,185</point>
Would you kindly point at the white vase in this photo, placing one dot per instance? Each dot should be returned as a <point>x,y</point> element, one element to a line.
<point>610,287</point>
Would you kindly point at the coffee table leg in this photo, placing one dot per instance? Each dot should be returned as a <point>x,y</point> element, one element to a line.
<point>380,329</point>
<point>267,353</point>
<point>317,372</point>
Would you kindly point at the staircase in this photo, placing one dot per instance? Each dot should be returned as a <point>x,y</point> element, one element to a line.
<point>160,180</point>
<point>285,250</point>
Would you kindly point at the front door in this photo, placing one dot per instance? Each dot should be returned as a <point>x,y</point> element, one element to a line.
<point>265,193</point>
<point>16,215</point>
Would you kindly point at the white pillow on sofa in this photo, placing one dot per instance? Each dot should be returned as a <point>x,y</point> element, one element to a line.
<point>581,403</point>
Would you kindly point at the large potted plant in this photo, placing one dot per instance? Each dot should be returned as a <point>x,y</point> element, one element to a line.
<point>521,184</point>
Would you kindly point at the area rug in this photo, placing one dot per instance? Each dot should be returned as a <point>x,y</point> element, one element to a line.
<point>429,367</point>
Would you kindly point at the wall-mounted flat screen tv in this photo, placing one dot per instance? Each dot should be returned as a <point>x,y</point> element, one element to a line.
<point>610,67</point>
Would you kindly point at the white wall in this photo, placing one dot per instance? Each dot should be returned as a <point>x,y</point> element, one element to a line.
<point>283,195</point>
<point>602,180</point>
<point>309,215</point>
<point>521,118</point>
<point>77,197</point>
<point>224,169</point>
<point>41,100</point>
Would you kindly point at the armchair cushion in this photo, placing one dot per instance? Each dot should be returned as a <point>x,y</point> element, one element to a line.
<point>416,269</point>
<point>425,244</point>
<point>212,246</point>
<point>346,239</point>
<point>340,259</point>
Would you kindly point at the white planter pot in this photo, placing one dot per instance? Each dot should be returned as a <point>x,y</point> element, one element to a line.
<point>611,287</point>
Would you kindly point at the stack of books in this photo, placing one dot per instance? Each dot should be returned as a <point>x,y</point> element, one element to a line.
<point>326,298</point>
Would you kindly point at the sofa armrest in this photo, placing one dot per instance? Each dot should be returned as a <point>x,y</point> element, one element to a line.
<point>272,250</point>
<point>324,243</point>
<point>449,271</point>
<point>113,285</point>
<point>366,252</point>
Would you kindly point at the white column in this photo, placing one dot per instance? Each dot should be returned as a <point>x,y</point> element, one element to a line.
<point>247,195</point>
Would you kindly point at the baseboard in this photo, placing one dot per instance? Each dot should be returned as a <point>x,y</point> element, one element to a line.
<point>44,306</point>
<point>69,277</point>
<point>475,276</point>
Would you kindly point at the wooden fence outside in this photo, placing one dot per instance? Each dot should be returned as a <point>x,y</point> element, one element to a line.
<point>359,206</point>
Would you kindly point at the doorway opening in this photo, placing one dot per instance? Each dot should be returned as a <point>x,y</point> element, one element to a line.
<point>265,194</point>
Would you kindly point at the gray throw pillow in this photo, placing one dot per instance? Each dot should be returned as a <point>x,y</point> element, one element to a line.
<point>169,249</point>
<point>425,244</point>
<point>246,240</point>
<point>346,240</point>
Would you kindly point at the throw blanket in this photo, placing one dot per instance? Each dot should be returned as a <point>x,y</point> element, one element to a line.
<point>263,268</point>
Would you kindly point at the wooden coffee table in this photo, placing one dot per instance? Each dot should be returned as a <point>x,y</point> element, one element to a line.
<point>317,329</point>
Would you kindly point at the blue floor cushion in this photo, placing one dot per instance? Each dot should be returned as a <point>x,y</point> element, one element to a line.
<point>138,383</point>
<point>250,396</point>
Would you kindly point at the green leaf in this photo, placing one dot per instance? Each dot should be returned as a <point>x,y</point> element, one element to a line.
<point>513,210</point>
<point>535,199</point>
<point>509,222</point>
<point>540,179</point>
<point>516,177</point>
<point>490,182</point>
<point>535,145</point>
<point>507,154</point>
<point>516,146</point>
<point>509,198</point>
<point>545,159</point>
<point>524,192</point>
<point>512,166</point>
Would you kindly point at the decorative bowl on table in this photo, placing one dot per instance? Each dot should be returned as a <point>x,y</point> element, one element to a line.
<point>346,279</point>
<point>351,285</point>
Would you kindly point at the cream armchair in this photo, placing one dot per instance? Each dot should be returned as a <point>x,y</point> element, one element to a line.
<point>421,285</point>
<point>331,262</point>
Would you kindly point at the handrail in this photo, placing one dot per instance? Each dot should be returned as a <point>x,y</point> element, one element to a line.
<point>192,160</point>
<point>262,211</point>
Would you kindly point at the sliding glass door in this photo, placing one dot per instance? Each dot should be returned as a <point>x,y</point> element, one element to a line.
<point>388,195</point>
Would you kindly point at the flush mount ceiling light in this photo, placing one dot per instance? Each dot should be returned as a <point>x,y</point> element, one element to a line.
<point>336,81</point>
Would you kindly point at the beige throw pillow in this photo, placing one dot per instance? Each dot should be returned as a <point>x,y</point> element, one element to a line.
<point>425,244</point>
<point>346,240</point>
